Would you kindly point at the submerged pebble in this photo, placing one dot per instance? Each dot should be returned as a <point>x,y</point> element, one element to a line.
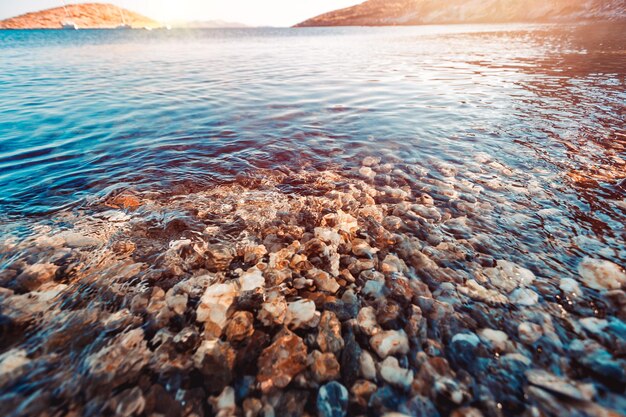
<point>363,296</point>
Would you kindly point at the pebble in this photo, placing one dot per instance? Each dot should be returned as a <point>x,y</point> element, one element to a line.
<point>557,385</point>
<point>366,321</point>
<point>570,288</point>
<point>390,342</point>
<point>508,276</point>
<point>281,362</point>
<point>332,400</point>
<point>214,306</point>
<point>495,338</point>
<point>391,372</point>
<point>240,327</point>
<point>529,332</point>
<point>600,274</point>
<point>367,366</point>
<point>329,333</point>
<point>257,302</point>
<point>361,392</point>
<point>325,367</point>
<point>524,297</point>
<point>301,314</point>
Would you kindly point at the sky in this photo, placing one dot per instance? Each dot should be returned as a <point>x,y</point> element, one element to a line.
<point>251,12</point>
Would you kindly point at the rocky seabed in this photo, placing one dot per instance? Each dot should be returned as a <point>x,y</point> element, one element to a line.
<point>386,290</point>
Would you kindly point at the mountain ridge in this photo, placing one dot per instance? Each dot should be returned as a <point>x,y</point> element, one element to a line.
<point>85,16</point>
<point>419,12</point>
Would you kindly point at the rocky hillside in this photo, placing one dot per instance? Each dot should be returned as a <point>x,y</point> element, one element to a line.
<point>417,12</point>
<point>85,16</point>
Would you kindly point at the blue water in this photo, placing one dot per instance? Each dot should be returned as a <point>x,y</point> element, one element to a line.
<point>80,111</point>
<point>517,132</point>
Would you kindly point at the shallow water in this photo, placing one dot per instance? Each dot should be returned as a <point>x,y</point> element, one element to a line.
<point>517,132</point>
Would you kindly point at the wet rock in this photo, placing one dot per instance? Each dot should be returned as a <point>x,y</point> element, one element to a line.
<point>554,384</point>
<point>367,172</point>
<point>600,274</point>
<point>350,357</point>
<point>252,280</point>
<point>477,292</point>
<point>524,297</point>
<point>389,315</point>
<point>570,288</point>
<point>252,407</point>
<point>462,350</point>
<point>77,240</point>
<point>129,402</point>
<point>367,366</point>
<point>11,362</point>
<point>224,404</point>
<point>508,276</point>
<point>323,281</point>
<point>113,216</point>
<point>529,332</point>
<point>366,321</point>
<point>370,161</point>
<point>124,200</point>
<point>291,403</point>
<point>391,372</point>
<point>325,367</point>
<point>215,360</point>
<point>240,327</point>
<point>449,390</point>
<point>219,257</point>
<point>385,399</point>
<point>601,364</point>
<point>361,392</point>
<point>466,412</point>
<point>127,354</point>
<point>301,314</point>
<point>214,307</point>
<point>274,310</point>
<point>329,333</point>
<point>176,302</point>
<point>494,338</point>
<point>281,361</point>
<point>390,342</point>
<point>332,400</point>
<point>36,275</point>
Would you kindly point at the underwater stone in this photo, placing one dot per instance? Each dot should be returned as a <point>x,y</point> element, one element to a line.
<point>332,400</point>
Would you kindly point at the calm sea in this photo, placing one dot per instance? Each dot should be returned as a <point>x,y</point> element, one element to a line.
<point>517,133</point>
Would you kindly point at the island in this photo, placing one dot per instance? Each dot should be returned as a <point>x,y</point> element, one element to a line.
<point>81,16</point>
<point>420,12</point>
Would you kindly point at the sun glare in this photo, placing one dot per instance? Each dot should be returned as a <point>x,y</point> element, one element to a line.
<point>251,12</point>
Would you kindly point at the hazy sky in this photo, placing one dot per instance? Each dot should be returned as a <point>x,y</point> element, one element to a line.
<point>253,12</point>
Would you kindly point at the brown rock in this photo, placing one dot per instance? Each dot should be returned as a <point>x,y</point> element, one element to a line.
<point>361,392</point>
<point>240,327</point>
<point>323,281</point>
<point>281,361</point>
<point>123,201</point>
<point>215,360</point>
<point>325,367</point>
<point>329,336</point>
<point>219,257</point>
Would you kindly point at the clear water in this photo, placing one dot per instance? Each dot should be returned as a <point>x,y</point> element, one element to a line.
<point>534,115</point>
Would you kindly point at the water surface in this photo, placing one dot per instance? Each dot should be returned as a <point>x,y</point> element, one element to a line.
<point>517,132</point>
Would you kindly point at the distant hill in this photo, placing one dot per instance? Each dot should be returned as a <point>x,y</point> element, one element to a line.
<point>85,16</point>
<point>418,12</point>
